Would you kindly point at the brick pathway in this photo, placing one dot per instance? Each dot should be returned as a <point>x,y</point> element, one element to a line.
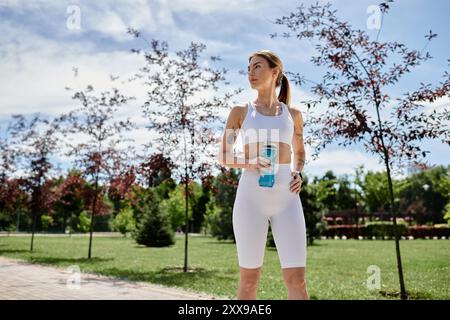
<point>21,280</point>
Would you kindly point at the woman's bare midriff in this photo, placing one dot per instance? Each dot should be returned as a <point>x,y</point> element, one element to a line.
<point>252,150</point>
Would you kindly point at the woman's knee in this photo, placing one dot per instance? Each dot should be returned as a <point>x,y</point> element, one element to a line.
<point>295,278</point>
<point>250,277</point>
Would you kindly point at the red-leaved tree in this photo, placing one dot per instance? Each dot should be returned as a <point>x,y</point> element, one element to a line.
<point>359,72</point>
<point>178,111</point>
<point>96,149</point>
<point>39,140</point>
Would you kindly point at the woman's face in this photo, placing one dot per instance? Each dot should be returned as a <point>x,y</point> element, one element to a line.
<point>260,75</point>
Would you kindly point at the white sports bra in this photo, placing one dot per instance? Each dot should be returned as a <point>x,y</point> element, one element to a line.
<point>261,128</point>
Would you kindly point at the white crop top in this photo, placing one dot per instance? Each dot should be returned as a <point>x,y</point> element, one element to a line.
<point>261,128</point>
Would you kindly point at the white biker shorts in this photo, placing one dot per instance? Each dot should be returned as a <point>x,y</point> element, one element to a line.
<point>256,206</point>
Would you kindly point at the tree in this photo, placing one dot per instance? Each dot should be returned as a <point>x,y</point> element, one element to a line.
<point>155,229</point>
<point>99,155</point>
<point>39,140</point>
<point>72,191</point>
<point>124,221</point>
<point>13,200</point>
<point>376,194</point>
<point>358,73</point>
<point>328,190</point>
<point>425,194</point>
<point>220,207</point>
<point>345,198</point>
<point>178,111</point>
<point>13,197</point>
<point>120,185</point>
<point>155,169</point>
<point>313,202</point>
<point>201,200</point>
<point>173,207</point>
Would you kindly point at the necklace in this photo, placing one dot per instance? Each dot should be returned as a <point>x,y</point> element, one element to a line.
<point>277,109</point>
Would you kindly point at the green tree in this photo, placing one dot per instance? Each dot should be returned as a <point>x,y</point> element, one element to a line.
<point>202,197</point>
<point>219,214</point>
<point>173,206</point>
<point>46,221</point>
<point>345,198</point>
<point>447,213</point>
<point>313,195</point>
<point>124,221</point>
<point>328,190</point>
<point>155,229</point>
<point>84,221</point>
<point>425,194</point>
<point>376,194</point>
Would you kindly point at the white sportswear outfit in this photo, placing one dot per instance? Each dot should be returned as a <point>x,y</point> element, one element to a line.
<point>256,206</point>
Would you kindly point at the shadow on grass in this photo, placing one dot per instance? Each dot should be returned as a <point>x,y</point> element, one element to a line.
<point>169,276</point>
<point>6,251</point>
<point>411,295</point>
<point>56,260</point>
<point>317,243</point>
<point>220,242</point>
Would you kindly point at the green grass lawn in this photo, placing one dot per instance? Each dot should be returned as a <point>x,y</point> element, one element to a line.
<point>336,269</point>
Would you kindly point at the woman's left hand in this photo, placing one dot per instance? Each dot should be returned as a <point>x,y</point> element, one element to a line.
<point>296,184</point>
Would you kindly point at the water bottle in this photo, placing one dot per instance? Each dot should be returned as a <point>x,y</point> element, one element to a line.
<point>267,178</point>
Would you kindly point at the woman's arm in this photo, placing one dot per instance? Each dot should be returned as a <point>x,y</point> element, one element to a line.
<point>298,145</point>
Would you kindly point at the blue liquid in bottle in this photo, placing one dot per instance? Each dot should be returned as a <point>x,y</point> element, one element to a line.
<point>267,178</point>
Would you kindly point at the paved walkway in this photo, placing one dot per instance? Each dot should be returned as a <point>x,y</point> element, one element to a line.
<point>21,280</point>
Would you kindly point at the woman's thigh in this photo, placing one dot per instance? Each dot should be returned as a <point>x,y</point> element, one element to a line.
<point>289,233</point>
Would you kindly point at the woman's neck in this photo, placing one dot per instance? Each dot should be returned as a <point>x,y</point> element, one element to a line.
<point>267,99</point>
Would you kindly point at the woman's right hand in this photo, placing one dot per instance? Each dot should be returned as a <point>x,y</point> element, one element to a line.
<point>259,163</point>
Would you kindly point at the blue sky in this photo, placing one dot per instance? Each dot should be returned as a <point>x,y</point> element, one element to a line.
<point>39,47</point>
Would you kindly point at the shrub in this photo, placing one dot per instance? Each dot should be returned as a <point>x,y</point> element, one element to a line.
<point>270,241</point>
<point>429,231</point>
<point>348,230</point>
<point>174,207</point>
<point>84,222</point>
<point>447,213</point>
<point>155,229</point>
<point>219,222</point>
<point>382,229</point>
<point>124,221</point>
<point>46,221</point>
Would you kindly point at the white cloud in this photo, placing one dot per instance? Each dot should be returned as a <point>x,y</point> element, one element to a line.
<point>208,7</point>
<point>36,60</point>
<point>341,162</point>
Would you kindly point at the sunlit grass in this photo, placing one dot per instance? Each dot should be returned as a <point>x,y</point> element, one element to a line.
<point>336,269</point>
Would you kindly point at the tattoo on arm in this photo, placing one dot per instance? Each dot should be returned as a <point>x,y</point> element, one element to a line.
<point>231,137</point>
<point>299,134</point>
<point>300,161</point>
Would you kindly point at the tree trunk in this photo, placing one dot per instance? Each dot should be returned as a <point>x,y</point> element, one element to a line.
<point>185,267</point>
<point>18,221</point>
<point>392,209</point>
<point>35,208</point>
<point>397,236</point>
<point>94,205</point>
<point>187,224</point>
<point>356,214</point>
<point>33,229</point>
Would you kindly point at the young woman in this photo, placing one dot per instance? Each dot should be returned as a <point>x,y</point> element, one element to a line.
<point>256,206</point>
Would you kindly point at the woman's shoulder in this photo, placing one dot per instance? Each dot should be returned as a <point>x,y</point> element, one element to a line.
<point>239,108</point>
<point>238,113</point>
<point>296,113</point>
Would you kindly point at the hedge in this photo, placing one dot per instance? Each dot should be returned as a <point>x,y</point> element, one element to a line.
<point>380,230</point>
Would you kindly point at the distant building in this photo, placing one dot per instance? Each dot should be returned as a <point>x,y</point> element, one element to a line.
<point>413,169</point>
